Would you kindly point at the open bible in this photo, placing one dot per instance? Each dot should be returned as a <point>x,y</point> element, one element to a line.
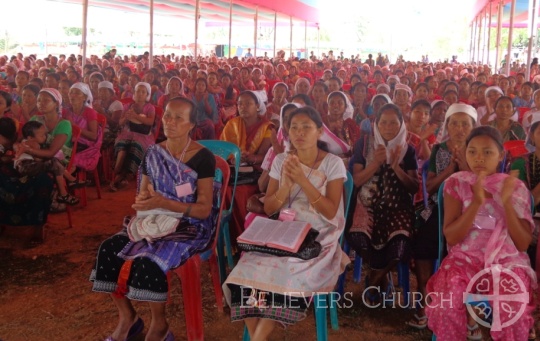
<point>282,235</point>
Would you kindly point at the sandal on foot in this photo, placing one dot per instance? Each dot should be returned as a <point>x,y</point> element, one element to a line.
<point>419,322</point>
<point>532,334</point>
<point>76,184</point>
<point>68,199</point>
<point>134,331</point>
<point>474,333</point>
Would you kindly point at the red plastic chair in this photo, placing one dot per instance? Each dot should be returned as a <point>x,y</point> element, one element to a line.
<point>75,135</point>
<point>516,148</point>
<point>190,272</point>
<point>521,113</point>
<point>102,123</point>
<point>126,100</point>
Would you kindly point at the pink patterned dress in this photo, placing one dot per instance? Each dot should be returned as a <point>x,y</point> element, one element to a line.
<point>486,262</point>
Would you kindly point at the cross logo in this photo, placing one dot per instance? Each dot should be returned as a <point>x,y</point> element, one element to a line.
<point>494,294</point>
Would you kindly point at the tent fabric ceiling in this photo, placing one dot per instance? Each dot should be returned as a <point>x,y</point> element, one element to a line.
<point>521,13</point>
<point>216,10</point>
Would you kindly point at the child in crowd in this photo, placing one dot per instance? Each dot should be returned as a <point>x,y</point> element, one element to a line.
<point>488,227</point>
<point>35,134</point>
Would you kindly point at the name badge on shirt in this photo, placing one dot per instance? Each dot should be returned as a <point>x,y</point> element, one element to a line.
<point>485,222</point>
<point>184,189</point>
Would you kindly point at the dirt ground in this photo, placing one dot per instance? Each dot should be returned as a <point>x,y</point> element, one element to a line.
<point>45,293</point>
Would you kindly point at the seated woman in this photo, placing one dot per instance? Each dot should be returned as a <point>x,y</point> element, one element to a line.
<point>280,92</point>
<point>24,201</point>
<point>166,168</point>
<point>136,135</point>
<point>340,118</point>
<point>377,102</point>
<point>487,225</point>
<point>447,157</point>
<point>251,132</point>
<point>486,112</point>
<point>58,143</point>
<point>319,95</point>
<point>302,86</point>
<point>527,117</point>
<point>230,96</point>
<point>174,88</point>
<point>420,131</point>
<point>28,106</point>
<point>402,98</point>
<point>509,129</point>
<point>207,111</point>
<point>85,117</point>
<point>359,101</point>
<point>315,178</point>
<point>385,169</point>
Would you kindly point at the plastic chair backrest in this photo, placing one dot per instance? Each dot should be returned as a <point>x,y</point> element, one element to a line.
<point>157,121</point>
<point>222,175</point>
<point>348,187</point>
<point>225,150</point>
<point>126,100</point>
<point>75,135</point>
<point>521,113</point>
<point>102,125</point>
<point>425,169</point>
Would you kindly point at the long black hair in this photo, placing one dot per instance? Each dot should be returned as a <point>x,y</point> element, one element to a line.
<point>313,115</point>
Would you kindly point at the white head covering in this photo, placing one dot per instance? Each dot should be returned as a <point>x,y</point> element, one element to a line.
<point>529,141</point>
<point>85,90</point>
<point>107,85</point>
<point>454,109</point>
<point>281,83</point>
<point>399,140</point>
<point>435,102</point>
<point>181,85</point>
<point>493,88</point>
<point>349,109</point>
<point>396,78</point>
<point>383,85</point>
<point>403,87</point>
<point>262,98</point>
<point>388,100</point>
<point>148,89</point>
<point>301,80</point>
<point>13,66</point>
<point>56,95</point>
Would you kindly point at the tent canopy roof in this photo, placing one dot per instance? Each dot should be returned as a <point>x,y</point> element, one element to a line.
<point>217,10</point>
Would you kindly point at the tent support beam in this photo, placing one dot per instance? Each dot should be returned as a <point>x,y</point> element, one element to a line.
<point>498,42</point>
<point>197,9</point>
<point>533,8</point>
<point>255,31</point>
<point>230,28</point>
<point>510,36</point>
<point>489,32</point>
<point>84,31</point>
<point>275,27</point>
<point>151,60</point>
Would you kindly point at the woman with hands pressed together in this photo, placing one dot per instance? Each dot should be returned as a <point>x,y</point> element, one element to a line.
<point>488,226</point>
<point>385,169</point>
<point>136,136</point>
<point>447,157</point>
<point>177,176</point>
<point>310,184</point>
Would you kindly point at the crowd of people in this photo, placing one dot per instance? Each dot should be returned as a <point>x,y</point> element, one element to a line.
<point>300,125</point>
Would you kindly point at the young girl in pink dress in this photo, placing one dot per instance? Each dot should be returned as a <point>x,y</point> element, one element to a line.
<point>488,227</point>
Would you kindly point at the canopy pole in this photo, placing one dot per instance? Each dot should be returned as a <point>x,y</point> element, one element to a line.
<point>484,38</point>
<point>275,28</point>
<point>151,60</point>
<point>305,40</point>
<point>290,48</point>
<point>489,33</point>
<point>230,28</point>
<point>196,28</point>
<point>84,29</point>
<point>255,33</point>
<point>533,7</point>
<point>318,40</point>
<point>510,36</point>
<point>478,45</point>
<point>473,50</point>
<point>471,42</point>
<point>475,38</point>
<point>498,41</point>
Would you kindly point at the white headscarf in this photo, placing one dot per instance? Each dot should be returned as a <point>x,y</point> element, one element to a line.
<point>399,140</point>
<point>396,78</point>
<point>383,85</point>
<point>349,109</point>
<point>262,98</point>
<point>181,85</point>
<point>454,109</point>
<point>529,141</point>
<point>301,80</point>
<point>388,100</point>
<point>85,90</point>
<point>107,85</point>
<point>403,87</point>
<point>148,89</point>
<point>493,88</point>
<point>56,95</point>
